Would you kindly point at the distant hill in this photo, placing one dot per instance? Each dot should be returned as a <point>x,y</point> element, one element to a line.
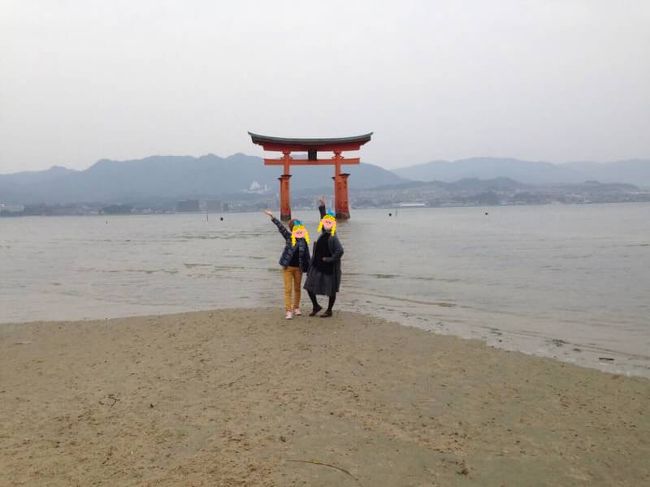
<point>466,184</point>
<point>632,171</point>
<point>172,178</point>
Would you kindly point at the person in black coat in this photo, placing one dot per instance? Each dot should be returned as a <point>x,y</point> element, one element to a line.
<point>324,275</point>
<point>294,261</point>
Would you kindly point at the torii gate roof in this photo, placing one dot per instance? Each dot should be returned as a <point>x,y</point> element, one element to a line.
<point>318,144</point>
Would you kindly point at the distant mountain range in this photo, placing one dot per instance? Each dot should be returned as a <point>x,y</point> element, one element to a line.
<point>636,171</point>
<point>173,178</point>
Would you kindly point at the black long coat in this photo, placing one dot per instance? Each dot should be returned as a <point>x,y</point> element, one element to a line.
<point>318,282</point>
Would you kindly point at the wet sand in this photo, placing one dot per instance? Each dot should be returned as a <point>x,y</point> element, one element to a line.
<point>244,397</point>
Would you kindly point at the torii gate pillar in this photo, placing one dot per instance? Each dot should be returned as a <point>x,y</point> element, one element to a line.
<point>341,206</point>
<point>285,203</point>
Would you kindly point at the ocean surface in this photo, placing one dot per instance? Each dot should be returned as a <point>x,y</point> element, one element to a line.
<point>562,281</point>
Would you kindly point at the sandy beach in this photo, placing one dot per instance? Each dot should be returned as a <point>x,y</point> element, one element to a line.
<point>244,397</point>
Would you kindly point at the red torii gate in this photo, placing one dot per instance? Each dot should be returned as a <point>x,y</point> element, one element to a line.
<point>312,147</point>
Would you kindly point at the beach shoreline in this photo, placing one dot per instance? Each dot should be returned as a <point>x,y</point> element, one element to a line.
<point>574,290</point>
<point>244,397</point>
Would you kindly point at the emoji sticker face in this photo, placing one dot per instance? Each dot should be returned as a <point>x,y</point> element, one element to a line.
<point>299,231</point>
<point>328,223</point>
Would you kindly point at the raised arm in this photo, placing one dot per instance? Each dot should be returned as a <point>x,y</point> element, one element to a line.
<point>283,230</point>
<point>321,206</point>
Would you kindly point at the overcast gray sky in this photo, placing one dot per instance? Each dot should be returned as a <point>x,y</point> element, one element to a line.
<point>553,80</point>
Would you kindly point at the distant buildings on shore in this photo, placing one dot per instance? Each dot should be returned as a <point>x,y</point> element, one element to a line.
<point>9,208</point>
<point>496,192</point>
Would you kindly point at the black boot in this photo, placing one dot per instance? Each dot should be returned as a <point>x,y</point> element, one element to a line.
<point>314,302</point>
<point>330,305</point>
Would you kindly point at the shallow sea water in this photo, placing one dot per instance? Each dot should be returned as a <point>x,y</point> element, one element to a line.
<point>570,282</point>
